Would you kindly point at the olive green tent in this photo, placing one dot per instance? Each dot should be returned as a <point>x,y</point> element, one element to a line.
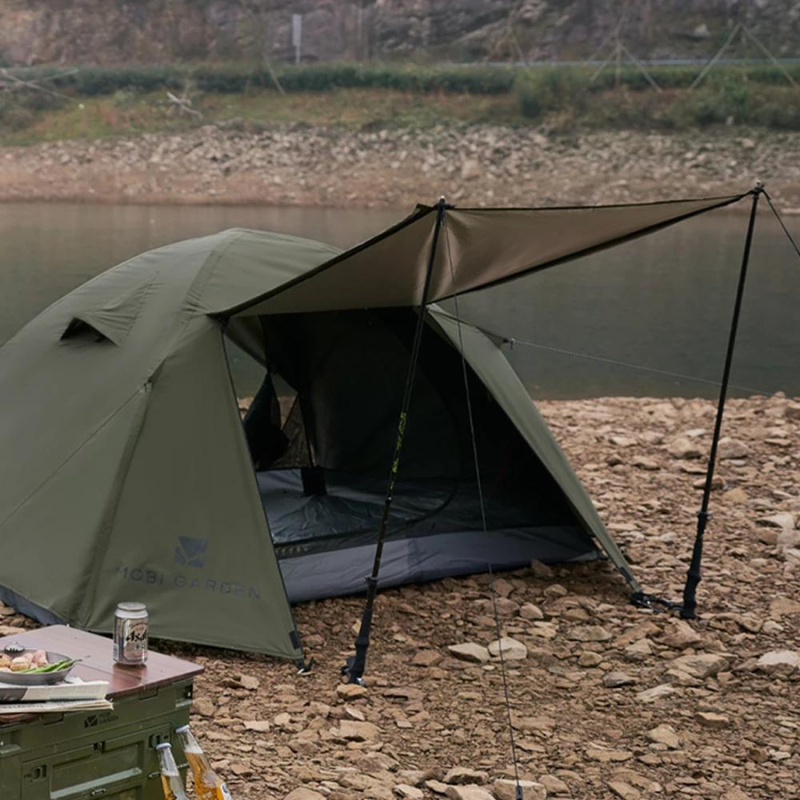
<point>126,472</point>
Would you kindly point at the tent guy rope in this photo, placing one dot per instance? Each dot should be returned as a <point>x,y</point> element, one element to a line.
<point>782,223</point>
<point>481,501</point>
<point>512,342</point>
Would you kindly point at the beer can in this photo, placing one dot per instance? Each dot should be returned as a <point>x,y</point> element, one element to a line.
<point>130,633</point>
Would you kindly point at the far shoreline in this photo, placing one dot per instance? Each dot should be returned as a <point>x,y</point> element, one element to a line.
<point>329,167</point>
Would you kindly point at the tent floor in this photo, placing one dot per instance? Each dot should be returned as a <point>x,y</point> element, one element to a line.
<point>326,543</point>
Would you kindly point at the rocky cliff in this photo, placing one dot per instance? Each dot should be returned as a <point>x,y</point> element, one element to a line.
<point>145,31</point>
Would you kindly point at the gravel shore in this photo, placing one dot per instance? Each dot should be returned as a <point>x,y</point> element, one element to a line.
<point>608,701</point>
<point>477,165</point>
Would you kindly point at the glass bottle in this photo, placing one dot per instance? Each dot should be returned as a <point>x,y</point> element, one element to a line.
<point>170,775</point>
<point>207,784</point>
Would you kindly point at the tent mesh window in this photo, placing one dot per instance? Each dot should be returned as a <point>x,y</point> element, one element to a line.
<point>347,369</point>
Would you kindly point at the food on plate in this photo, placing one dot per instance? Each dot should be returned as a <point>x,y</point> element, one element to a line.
<point>33,662</point>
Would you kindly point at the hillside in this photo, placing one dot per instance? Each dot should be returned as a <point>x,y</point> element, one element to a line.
<point>167,31</point>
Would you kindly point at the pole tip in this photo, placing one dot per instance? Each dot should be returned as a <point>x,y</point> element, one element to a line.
<point>759,187</point>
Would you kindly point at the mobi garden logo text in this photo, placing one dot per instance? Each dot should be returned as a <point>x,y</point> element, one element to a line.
<point>191,555</point>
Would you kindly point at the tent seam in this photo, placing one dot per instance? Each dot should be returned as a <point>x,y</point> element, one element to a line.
<point>69,458</point>
<point>110,513</point>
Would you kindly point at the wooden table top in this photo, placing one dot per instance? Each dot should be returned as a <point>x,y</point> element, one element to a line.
<point>97,663</point>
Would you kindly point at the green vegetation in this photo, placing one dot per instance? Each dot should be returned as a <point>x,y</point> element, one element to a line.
<point>90,81</point>
<point>95,102</point>
<point>730,96</point>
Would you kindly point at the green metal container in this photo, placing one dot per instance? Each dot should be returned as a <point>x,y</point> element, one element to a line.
<point>86,756</point>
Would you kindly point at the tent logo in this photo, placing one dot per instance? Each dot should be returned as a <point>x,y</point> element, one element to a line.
<point>191,552</point>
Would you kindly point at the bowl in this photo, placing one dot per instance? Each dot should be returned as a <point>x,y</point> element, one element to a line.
<point>35,678</point>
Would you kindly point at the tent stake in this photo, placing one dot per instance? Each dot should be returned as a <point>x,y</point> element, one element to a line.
<point>693,577</point>
<point>356,665</point>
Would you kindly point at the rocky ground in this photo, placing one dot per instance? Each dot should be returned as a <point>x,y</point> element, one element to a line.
<point>607,700</point>
<point>480,165</point>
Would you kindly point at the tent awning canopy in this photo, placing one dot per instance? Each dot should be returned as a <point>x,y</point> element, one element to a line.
<point>479,248</point>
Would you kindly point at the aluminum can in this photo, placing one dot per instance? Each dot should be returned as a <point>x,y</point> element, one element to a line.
<point>130,633</point>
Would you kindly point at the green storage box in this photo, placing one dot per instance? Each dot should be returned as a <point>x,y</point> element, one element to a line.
<point>83,756</point>
<point>91,755</point>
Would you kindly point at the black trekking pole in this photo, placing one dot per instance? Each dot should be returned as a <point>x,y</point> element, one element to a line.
<point>356,664</point>
<point>693,577</point>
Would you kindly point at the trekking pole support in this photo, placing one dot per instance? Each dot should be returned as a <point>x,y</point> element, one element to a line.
<point>689,608</point>
<point>355,666</point>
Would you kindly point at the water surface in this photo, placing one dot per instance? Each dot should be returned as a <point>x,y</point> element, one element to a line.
<point>663,302</point>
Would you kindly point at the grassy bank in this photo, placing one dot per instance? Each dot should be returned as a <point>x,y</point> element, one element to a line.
<point>94,103</point>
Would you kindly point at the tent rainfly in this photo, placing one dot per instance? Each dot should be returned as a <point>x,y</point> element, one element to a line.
<point>126,471</point>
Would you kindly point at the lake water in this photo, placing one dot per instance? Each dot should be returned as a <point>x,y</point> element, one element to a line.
<point>662,302</point>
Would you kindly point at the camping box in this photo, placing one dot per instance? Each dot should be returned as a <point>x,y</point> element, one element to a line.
<point>88,755</point>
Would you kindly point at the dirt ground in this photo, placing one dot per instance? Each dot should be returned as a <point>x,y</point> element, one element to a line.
<point>607,700</point>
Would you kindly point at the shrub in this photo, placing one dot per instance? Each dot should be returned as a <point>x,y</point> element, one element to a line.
<point>545,89</point>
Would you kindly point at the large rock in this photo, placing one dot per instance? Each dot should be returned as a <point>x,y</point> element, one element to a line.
<point>468,793</point>
<point>588,633</point>
<point>710,719</point>
<point>470,651</point>
<point>505,789</point>
<point>732,449</point>
<point>531,611</point>
<point>607,756</point>
<point>656,693</point>
<point>511,649</point>
<point>665,734</point>
<point>355,731</point>
<point>257,725</point>
<point>624,790</point>
<point>351,691</point>
<point>684,448</point>
<point>779,662</point>
<point>554,784</point>
<point>782,520</point>
<point>465,775</point>
<point>703,665</point>
<point>408,792</point>
<point>679,634</point>
<point>615,680</point>
<point>304,794</point>
<point>783,606</point>
<point>426,658</point>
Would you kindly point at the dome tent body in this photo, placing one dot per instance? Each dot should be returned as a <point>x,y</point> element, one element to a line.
<point>125,471</point>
